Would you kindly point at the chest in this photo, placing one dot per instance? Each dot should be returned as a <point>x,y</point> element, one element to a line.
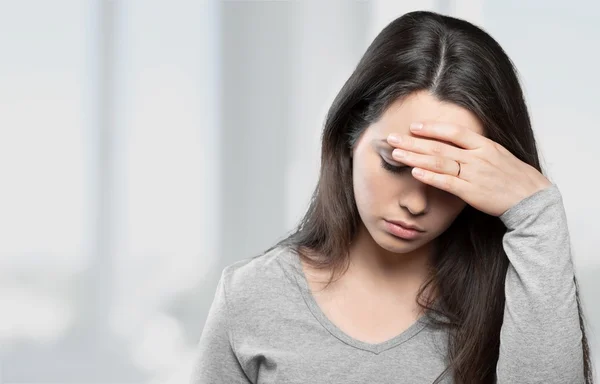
<point>367,317</point>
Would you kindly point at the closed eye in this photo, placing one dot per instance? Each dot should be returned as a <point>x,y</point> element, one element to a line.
<point>393,168</point>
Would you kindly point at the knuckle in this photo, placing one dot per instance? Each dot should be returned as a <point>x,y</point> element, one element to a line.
<point>439,163</point>
<point>455,132</point>
<point>499,148</point>
<point>502,150</point>
<point>436,148</point>
<point>447,183</point>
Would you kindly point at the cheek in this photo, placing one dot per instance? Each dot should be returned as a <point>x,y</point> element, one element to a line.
<point>448,207</point>
<point>452,204</point>
<point>371,188</point>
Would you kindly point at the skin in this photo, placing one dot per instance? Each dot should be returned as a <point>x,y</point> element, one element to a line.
<point>382,260</point>
<point>375,299</point>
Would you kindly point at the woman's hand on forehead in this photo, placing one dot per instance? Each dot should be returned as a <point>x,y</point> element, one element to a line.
<point>465,163</point>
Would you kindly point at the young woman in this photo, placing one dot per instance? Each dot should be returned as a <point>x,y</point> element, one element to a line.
<point>434,249</point>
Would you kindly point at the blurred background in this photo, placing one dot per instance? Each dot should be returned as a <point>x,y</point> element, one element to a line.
<point>145,145</point>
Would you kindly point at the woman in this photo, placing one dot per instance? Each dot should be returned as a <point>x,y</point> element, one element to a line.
<point>482,289</point>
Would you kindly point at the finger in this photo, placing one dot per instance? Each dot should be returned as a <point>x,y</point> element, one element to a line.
<point>427,147</point>
<point>448,183</point>
<point>434,163</point>
<point>461,136</point>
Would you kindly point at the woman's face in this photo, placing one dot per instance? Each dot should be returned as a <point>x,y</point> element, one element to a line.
<point>382,195</point>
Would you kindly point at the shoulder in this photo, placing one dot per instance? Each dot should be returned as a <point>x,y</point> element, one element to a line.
<point>259,279</point>
<point>250,271</point>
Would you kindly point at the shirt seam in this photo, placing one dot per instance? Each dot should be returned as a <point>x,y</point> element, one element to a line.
<point>531,205</point>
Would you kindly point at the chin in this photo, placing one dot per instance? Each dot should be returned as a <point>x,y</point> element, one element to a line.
<point>393,244</point>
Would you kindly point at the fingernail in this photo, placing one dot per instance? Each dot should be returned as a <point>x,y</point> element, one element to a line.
<point>416,126</point>
<point>394,139</point>
<point>398,153</point>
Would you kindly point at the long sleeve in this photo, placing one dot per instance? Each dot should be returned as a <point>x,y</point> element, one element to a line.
<point>540,339</point>
<point>216,362</point>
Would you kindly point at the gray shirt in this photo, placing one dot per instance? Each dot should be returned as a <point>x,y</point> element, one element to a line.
<point>264,325</point>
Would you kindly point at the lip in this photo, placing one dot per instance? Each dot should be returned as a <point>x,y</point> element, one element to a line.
<point>399,231</point>
<point>406,225</point>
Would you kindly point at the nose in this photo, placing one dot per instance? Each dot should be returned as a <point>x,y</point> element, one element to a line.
<point>414,197</point>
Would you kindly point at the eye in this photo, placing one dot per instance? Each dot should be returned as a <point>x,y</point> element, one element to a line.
<point>393,168</point>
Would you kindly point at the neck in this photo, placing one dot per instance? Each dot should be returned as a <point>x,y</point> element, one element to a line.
<point>379,270</point>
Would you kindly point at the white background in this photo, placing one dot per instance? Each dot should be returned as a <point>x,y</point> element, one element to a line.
<point>144,145</point>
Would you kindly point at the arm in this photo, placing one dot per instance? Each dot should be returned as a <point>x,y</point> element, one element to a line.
<point>540,339</point>
<point>216,362</point>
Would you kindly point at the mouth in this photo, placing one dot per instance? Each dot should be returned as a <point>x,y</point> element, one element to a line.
<point>406,225</point>
<point>398,230</point>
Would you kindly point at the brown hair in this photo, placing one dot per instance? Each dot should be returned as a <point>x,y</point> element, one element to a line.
<point>459,63</point>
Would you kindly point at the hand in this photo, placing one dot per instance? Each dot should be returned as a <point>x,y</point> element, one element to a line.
<point>491,180</point>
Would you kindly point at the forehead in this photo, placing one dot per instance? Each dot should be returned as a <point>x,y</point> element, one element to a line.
<point>423,107</point>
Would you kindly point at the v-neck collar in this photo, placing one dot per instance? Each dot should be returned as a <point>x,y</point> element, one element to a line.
<point>293,260</point>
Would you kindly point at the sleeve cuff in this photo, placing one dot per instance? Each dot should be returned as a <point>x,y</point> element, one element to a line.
<point>531,205</point>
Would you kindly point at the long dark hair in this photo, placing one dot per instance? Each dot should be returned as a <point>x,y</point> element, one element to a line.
<point>461,64</point>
